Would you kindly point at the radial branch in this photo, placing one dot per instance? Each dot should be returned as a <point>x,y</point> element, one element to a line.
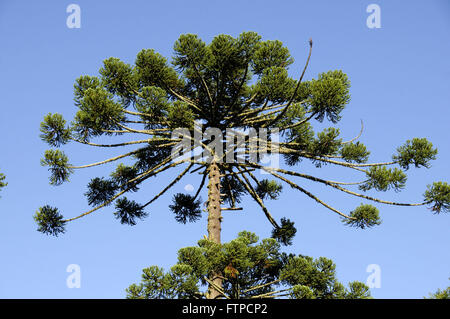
<point>140,178</point>
<point>176,180</point>
<point>241,84</point>
<point>219,289</point>
<point>186,100</point>
<point>291,126</point>
<point>256,197</point>
<point>284,150</point>
<point>356,137</point>
<point>249,172</point>
<point>352,165</point>
<point>296,88</point>
<point>250,100</point>
<point>292,184</point>
<point>271,294</point>
<point>205,86</point>
<point>232,208</point>
<point>334,185</point>
<point>241,172</point>
<point>262,286</point>
<point>263,116</point>
<point>202,183</point>
<point>106,161</point>
<point>257,110</point>
<point>129,129</point>
<point>125,143</point>
<point>136,113</point>
<point>245,116</point>
<point>197,169</point>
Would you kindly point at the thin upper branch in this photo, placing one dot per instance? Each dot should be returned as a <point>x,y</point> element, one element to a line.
<point>176,180</point>
<point>356,137</point>
<point>296,88</point>
<point>256,197</point>
<point>310,195</point>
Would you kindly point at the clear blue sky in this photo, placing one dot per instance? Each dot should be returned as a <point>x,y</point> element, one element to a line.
<point>400,88</point>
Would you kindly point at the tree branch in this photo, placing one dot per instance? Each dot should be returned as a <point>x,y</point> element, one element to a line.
<point>177,179</point>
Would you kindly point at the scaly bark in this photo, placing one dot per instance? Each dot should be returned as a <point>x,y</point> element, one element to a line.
<point>214,222</point>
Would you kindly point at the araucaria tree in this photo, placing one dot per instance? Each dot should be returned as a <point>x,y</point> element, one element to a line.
<point>239,84</point>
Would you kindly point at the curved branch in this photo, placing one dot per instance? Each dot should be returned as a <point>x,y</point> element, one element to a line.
<point>151,172</point>
<point>298,123</point>
<point>122,144</point>
<point>202,183</point>
<point>334,185</point>
<point>176,180</point>
<point>352,165</point>
<point>106,161</point>
<point>296,88</point>
<point>186,100</point>
<point>310,195</point>
<point>204,84</point>
<point>256,197</point>
<point>356,137</point>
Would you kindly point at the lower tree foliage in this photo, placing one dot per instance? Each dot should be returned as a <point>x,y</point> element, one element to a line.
<point>440,294</point>
<point>249,269</point>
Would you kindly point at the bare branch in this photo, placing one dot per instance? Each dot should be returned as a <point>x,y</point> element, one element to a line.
<point>356,137</point>
<point>106,161</point>
<point>219,289</point>
<point>296,88</point>
<point>176,180</point>
<point>262,286</point>
<point>256,197</point>
<point>332,184</point>
<point>202,183</point>
<point>151,172</point>
<point>125,143</point>
<point>298,123</point>
<point>310,195</point>
<point>204,84</point>
<point>186,100</point>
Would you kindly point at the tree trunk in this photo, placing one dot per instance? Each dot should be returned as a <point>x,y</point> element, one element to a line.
<point>214,222</point>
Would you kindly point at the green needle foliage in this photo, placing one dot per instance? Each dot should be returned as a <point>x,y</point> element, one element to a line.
<point>418,151</point>
<point>54,130</point>
<point>268,189</point>
<point>128,210</point>
<point>58,166</point>
<point>354,152</point>
<point>439,195</point>
<point>232,83</point>
<point>364,216</point>
<point>383,179</point>
<point>285,233</point>
<point>2,181</point>
<point>440,294</point>
<point>50,221</point>
<point>250,269</point>
<point>185,208</point>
